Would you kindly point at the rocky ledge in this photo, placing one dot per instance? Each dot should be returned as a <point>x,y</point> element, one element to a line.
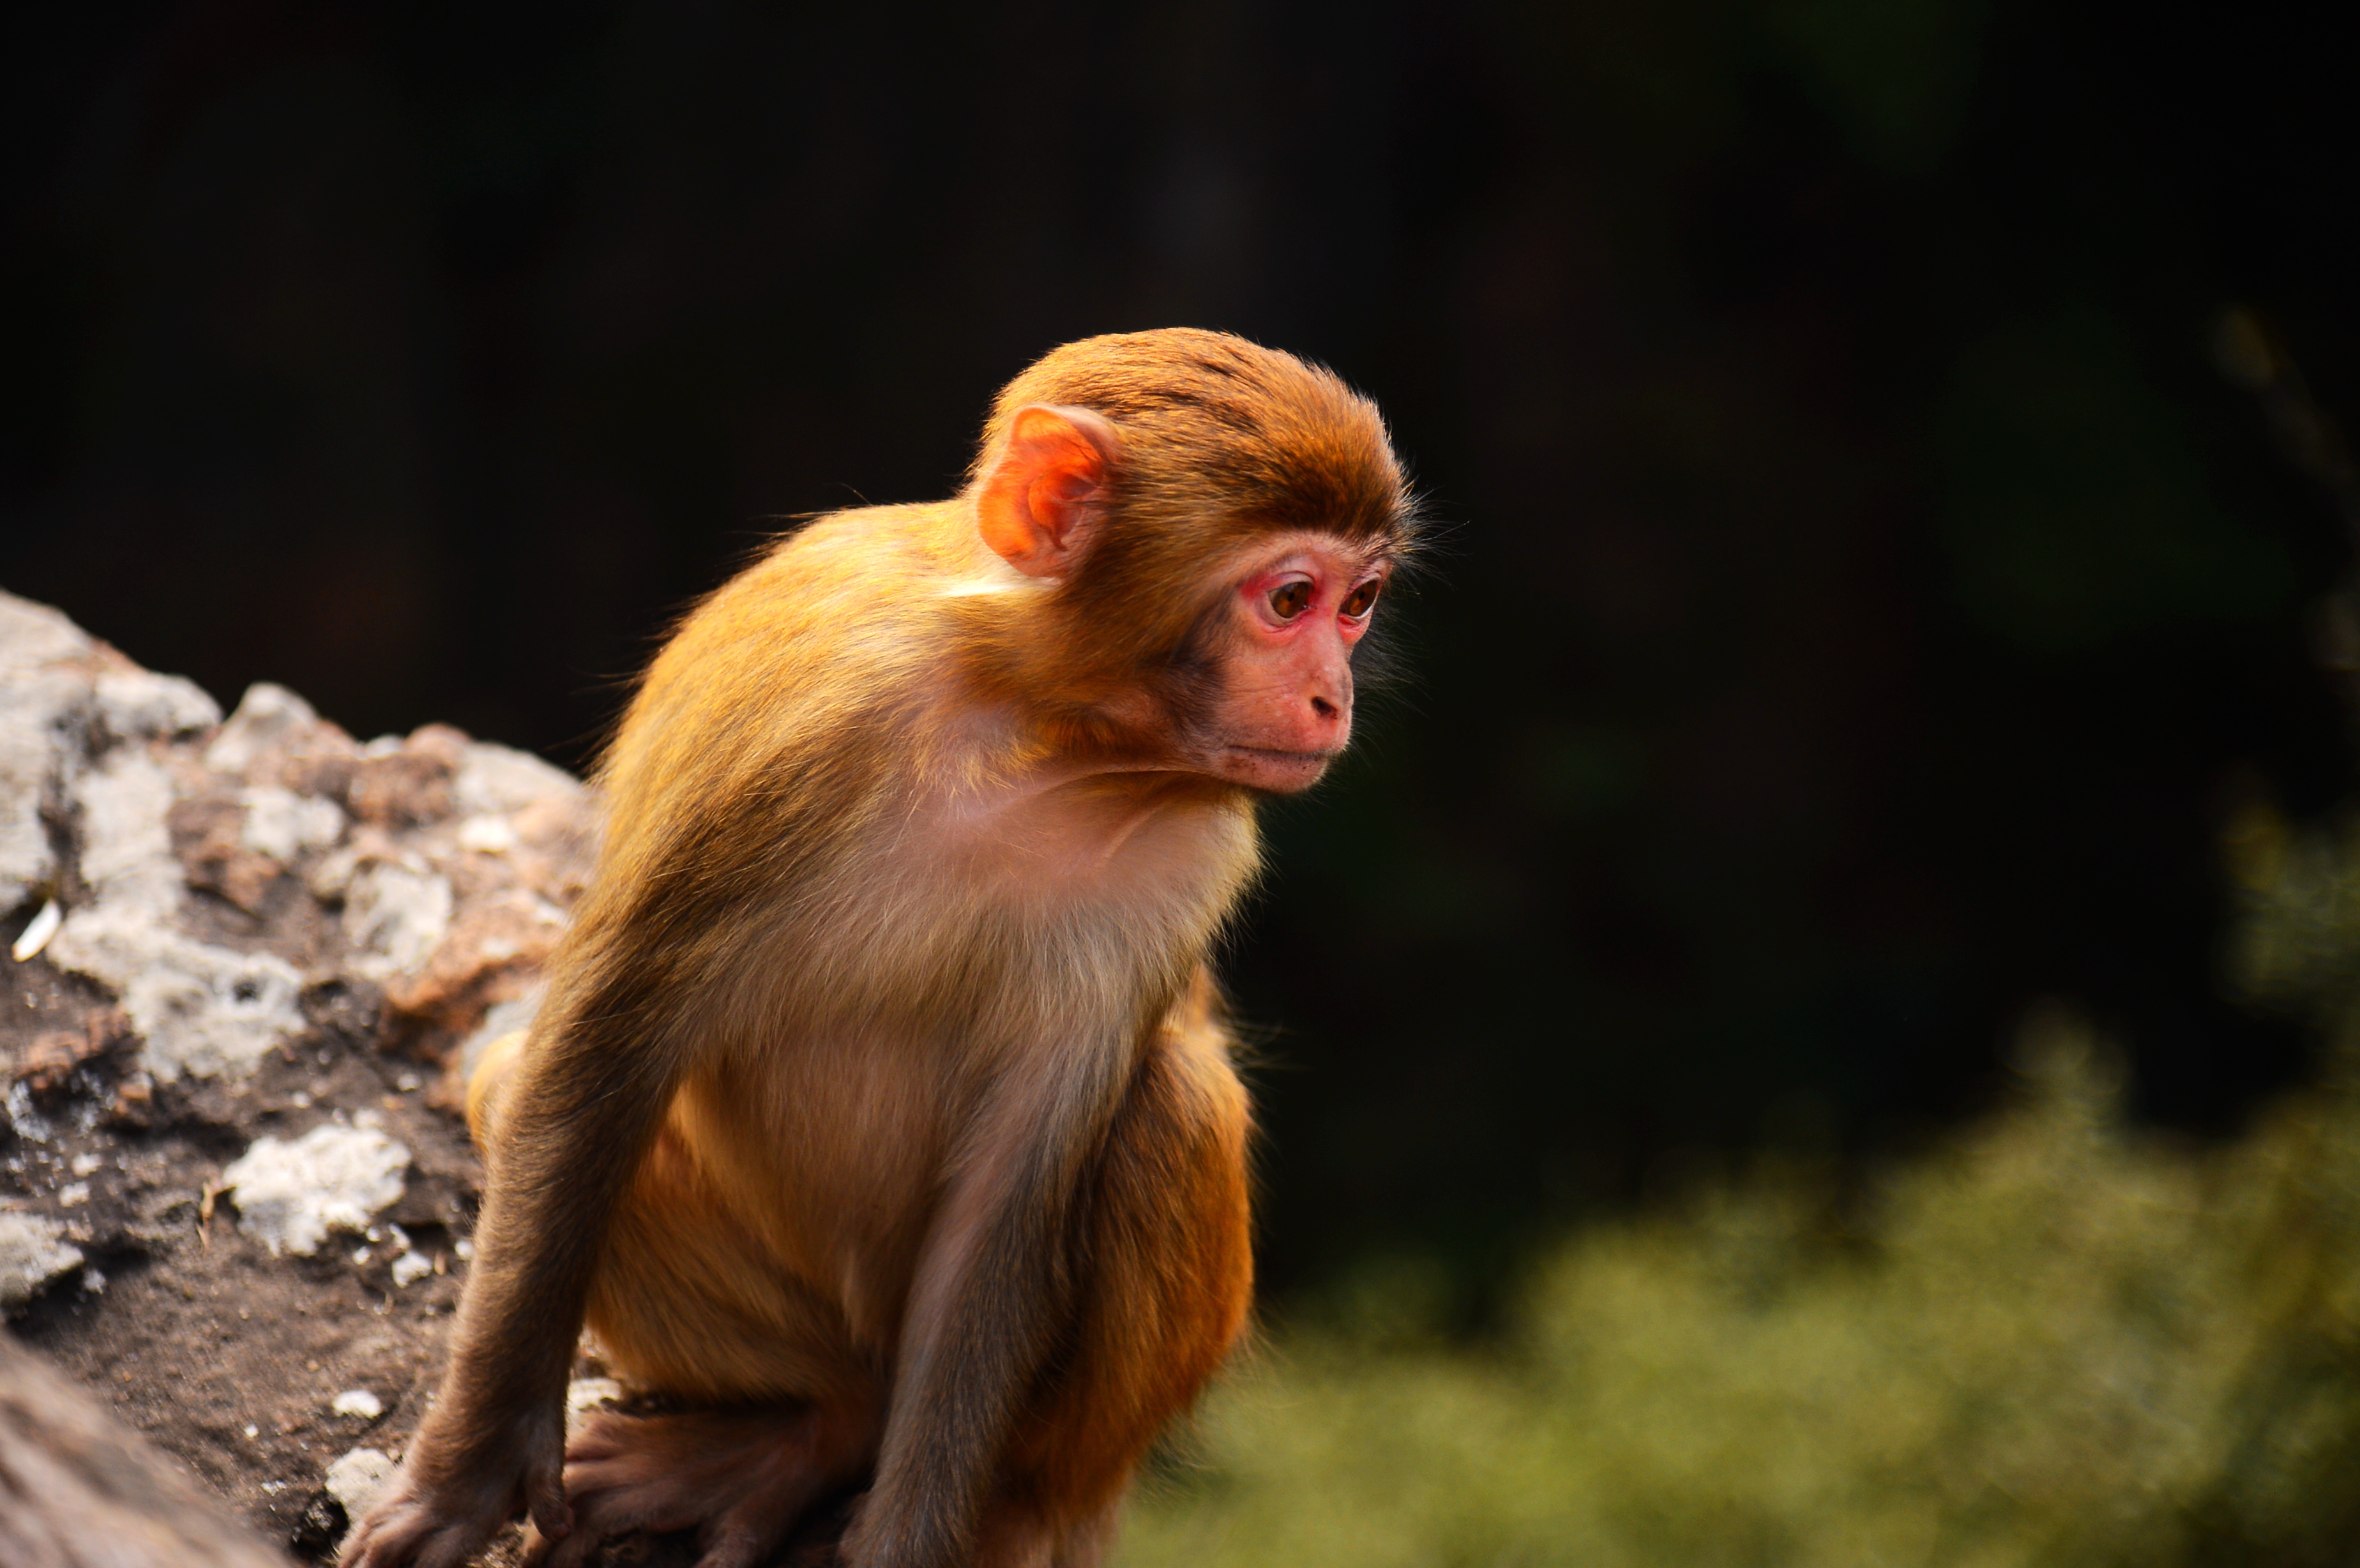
<point>245,957</point>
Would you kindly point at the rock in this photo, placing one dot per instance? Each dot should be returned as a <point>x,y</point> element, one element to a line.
<point>38,707</point>
<point>126,806</point>
<point>488,957</point>
<point>281,824</point>
<point>238,844</point>
<point>589,1393</point>
<point>358,1402</point>
<point>410,783</point>
<point>488,833</point>
<point>396,917</point>
<point>289,1196</point>
<point>499,779</point>
<point>208,838</point>
<point>139,704</point>
<point>267,716</point>
<point>351,1484</point>
<point>355,1479</point>
<point>51,1060</point>
<point>33,1251</point>
<point>46,676</point>
<point>204,1011</point>
<point>33,635</point>
<point>82,1491</point>
<point>285,925</point>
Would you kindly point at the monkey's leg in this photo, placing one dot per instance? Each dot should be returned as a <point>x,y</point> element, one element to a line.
<point>1165,1273</point>
<point>742,1478</point>
<point>689,1303</point>
<point>684,1305</point>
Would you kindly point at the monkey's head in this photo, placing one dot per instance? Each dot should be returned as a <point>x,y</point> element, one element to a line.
<point>1214,523</point>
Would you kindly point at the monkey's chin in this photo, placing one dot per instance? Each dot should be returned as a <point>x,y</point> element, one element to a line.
<point>1271,771</point>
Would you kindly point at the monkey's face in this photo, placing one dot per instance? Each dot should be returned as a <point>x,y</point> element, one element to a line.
<point>1296,605</point>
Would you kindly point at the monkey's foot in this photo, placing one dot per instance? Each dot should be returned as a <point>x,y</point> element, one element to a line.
<point>742,1478</point>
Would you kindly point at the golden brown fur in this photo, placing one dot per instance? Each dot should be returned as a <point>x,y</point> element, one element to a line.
<point>880,1082</point>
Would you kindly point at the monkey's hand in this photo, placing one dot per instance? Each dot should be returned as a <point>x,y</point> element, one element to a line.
<point>449,1496</point>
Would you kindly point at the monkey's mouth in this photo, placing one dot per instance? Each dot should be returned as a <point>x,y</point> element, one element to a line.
<point>1267,767</point>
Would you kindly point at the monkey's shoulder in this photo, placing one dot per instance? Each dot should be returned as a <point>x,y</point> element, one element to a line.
<point>827,626</point>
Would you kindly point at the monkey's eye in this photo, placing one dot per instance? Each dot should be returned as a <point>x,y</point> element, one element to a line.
<point>1360,601</point>
<point>1289,599</point>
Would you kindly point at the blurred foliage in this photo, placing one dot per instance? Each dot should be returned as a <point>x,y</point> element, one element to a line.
<point>2053,1340</point>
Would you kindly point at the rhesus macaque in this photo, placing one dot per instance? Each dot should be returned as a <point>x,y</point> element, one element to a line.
<point>881,1113</point>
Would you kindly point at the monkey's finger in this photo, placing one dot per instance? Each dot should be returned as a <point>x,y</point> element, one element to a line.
<point>355,1549</point>
<point>447,1548</point>
<point>544,1494</point>
<point>597,1520</point>
<point>573,1551</point>
<point>736,1549</point>
<point>746,1534</point>
<point>736,1552</point>
<point>537,1547</point>
<point>377,1542</point>
<point>393,1544</point>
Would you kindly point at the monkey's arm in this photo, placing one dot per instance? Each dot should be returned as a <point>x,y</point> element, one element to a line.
<point>587,1094</point>
<point>993,1287</point>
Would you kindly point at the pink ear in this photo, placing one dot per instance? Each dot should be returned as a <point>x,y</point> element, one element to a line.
<point>1039,504</point>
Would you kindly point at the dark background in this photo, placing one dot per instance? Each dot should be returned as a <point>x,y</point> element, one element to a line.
<point>1862,598</point>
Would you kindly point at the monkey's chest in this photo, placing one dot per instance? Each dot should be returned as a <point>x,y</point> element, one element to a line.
<point>853,1071</point>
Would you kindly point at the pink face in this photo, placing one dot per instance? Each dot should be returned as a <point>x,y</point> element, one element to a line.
<point>1301,602</point>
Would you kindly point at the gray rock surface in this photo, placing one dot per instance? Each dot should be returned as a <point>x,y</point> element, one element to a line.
<point>45,695</point>
<point>235,1189</point>
<point>290,1195</point>
<point>355,1479</point>
<point>33,1251</point>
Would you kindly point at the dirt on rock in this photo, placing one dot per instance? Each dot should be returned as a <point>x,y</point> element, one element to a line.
<point>228,934</point>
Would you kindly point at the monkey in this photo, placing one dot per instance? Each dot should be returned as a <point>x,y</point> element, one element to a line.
<point>881,1115</point>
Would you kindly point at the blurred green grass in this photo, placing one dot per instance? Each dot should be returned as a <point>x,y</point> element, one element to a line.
<point>2055,1339</point>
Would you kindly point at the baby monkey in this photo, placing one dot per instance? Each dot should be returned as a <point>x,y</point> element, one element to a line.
<point>881,1113</point>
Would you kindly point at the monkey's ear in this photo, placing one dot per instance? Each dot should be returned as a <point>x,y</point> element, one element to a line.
<point>1042,501</point>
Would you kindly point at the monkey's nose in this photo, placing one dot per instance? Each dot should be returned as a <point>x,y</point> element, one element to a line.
<point>1321,708</point>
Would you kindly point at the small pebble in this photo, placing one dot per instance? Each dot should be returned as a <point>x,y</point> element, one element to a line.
<point>487,835</point>
<point>358,1402</point>
<point>585,1393</point>
<point>355,1479</point>
<point>36,935</point>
